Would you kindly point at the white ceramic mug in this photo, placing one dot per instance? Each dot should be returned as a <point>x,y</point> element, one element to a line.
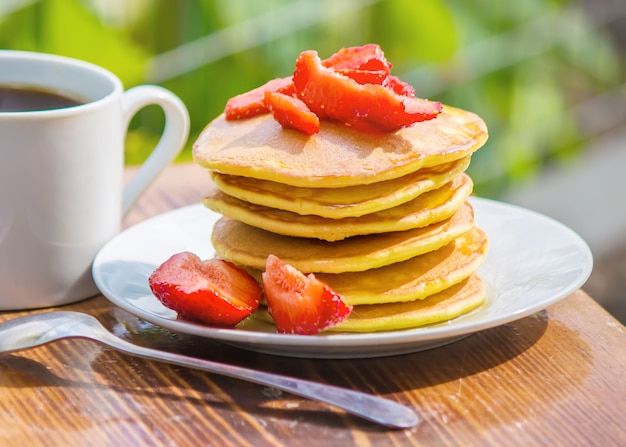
<point>61,175</point>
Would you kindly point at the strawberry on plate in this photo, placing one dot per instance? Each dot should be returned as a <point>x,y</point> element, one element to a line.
<point>292,113</point>
<point>214,291</point>
<point>298,303</point>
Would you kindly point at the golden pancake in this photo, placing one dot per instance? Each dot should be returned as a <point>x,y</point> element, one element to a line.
<point>428,208</point>
<point>336,203</point>
<point>450,303</point>
<point>250,246</point>
<point>413,279</point>
<point>337,156</point>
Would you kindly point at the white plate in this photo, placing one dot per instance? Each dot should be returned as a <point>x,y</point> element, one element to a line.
<point>532,262</point>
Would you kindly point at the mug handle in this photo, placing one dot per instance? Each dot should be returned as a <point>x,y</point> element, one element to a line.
<point>175,134</point>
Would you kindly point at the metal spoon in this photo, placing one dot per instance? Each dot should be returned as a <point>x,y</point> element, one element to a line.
<point>41,328</point>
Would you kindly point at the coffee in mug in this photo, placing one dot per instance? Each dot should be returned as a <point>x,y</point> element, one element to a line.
<point>31,99</point>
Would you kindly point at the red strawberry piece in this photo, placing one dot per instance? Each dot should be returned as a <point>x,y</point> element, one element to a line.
<point>368,57</point>
<point>215,291</point>
<point>292,113</point>
<point>298,303</point>
<point>364,76</point>
<point>251,103</point>
<point>331,95</point>
<point>399,86</point>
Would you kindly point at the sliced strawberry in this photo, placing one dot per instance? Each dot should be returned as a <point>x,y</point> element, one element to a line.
<point>331,95</point>
<point>298,303</point>
<point>251,103</point>
<point>398,86</point>
<point>368,57</point>
<point>365,76</point>
<point>292,113</point>
<point>215,291</point>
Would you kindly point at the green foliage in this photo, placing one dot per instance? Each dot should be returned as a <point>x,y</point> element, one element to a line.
<point>522,66</point>
<point>67,28</point>
<point>413,35</point>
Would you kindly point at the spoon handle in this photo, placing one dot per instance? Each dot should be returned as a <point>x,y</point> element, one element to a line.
<point>376,409</point>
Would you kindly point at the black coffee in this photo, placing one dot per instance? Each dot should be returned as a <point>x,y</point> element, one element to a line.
<point>28,99</point>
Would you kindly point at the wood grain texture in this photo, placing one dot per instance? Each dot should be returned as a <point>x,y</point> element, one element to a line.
<point>555,378</point>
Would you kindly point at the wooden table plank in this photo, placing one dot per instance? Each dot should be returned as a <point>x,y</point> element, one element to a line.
<point>556,377</point>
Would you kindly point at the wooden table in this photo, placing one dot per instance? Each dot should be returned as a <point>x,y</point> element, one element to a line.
<point>556,378</point>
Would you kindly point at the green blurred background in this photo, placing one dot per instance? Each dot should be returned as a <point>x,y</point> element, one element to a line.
<point>546,75</point>
<point>526,67</point>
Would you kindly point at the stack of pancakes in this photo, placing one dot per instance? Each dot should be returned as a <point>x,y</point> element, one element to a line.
<point>383,219</point>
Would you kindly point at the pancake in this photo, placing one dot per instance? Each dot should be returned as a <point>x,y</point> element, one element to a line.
<point>450,303</point>
<point>415,278</point>
<point>336,203</point>
<point>426,209</point>
<point>249,246</point>
<point>337,156</point>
